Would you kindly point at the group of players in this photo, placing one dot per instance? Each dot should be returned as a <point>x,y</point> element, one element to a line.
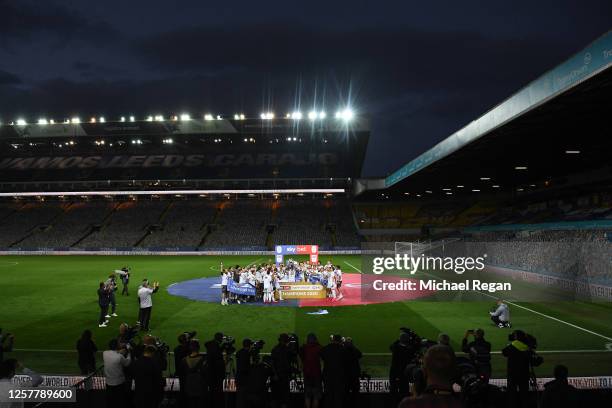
<point>267,280</point>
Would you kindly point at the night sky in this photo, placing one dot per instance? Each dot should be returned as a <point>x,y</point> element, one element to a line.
<point>421,70</point>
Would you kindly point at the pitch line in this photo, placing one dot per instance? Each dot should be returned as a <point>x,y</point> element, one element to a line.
<point>353,266</point>
<point>536,312</point>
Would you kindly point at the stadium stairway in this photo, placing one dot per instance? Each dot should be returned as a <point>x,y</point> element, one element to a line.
<point>104,222</point>
<point>39,228</point>
<point>159,225</point>
<point>208,227</point>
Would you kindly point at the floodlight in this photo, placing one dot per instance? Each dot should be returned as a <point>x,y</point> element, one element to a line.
<point>185,116</point>
<point>75,120</point>
<point>322,115</point>
<point>312,115</point>
<point>208,116</point>
<point>42,121</point>
<point>296,115</point>
<point>122,119</point>
<point>102,119</point>
<point>132,119</point>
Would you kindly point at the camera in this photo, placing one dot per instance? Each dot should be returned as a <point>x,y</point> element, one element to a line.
<point>190,335</point>
<point>227,344</point>
<point>535,360</point>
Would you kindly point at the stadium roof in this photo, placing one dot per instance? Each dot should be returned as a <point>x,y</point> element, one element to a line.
<point>556,126</point>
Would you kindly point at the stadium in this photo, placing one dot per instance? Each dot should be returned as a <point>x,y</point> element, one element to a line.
<point>178,198</point>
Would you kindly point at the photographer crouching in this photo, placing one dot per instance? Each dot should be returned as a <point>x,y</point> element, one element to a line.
<point>522,358</point>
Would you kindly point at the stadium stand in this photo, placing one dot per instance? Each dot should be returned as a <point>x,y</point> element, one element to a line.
<point>126,226</point>
<point>184,224</point>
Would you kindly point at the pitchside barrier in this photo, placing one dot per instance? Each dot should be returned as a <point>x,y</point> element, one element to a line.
<point>374,385</point>
<point>173,251</point>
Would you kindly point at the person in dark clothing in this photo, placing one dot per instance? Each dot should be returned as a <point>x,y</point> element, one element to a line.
<point>480,352</point>
<point>125,280</point>
<point>558,393</point>
<point>353,370</point>
<point>243,370</point>
<point>311,368</point>
<point>87,353</point>
<point>194,372</point>
<point>518,369</point>
<point>6,344</point>
<point>257,384</point>
<point>148,380</point>
<point>281,364</point>
<point>335,382</point>
<point>180,352</point>
<point>439,368</point>
<point>103,302</point>
<point>215,369</point>
<point>402,354</point>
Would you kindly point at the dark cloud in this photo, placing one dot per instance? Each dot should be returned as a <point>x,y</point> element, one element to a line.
<point>47,20</point>
<point>6,78</point>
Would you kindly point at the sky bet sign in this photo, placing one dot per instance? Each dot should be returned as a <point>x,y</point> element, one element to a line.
<point>282,250</point>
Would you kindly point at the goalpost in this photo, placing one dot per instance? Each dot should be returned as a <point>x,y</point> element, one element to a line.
<point>412,249</point>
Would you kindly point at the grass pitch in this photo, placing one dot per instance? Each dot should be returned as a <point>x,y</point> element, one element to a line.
<point>47,301</point>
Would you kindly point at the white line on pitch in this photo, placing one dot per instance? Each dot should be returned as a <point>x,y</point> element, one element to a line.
<point>352,266</point>
<point>536,312</point>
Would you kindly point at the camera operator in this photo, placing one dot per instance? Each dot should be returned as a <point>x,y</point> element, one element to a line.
<point>215,350</point>
<point>440,369</point>
<point>519,357</point>
<point>335,382</point>
<point>257,383</point>
<point>311,367</point>
<point>353,370</point>
<point>194,374</point>
<point>116,359</point>
<point>281,364</point>
<point>479,351</point>
<point>403,352</point>
<point>6,344</point>
<point>148,379</point>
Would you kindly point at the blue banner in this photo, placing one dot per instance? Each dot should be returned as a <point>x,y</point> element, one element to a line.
<point>241,288</point>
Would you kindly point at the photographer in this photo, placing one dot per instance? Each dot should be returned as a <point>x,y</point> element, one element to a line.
<point>501,315</point>
<point>403,352</point>
<point>86,349</point>
<point>353,370</point>
<point>193,369</point>
<point>519,357</point>
<point>335,381</point>
<point>281,364</point>
<point>215,350</point>
<point>148,379</point>
<point>116,359</point>
<point>180,352</point>
<point>439,368</point>
<point>479,351</point>
<point>243,370</point>
<point>257,383</point>
<point>103,302</point>
<point>311,367</point>
<point>6,344</point>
